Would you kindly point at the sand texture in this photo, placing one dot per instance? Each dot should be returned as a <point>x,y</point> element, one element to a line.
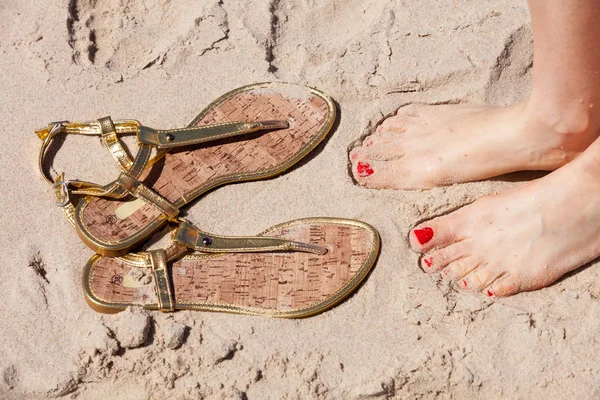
<point>403,334</point>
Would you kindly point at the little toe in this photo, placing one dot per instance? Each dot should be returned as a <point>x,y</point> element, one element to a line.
<point>506,285</point>
<point>437,260</point>
<point>460,268</point>
<point>482,277</point>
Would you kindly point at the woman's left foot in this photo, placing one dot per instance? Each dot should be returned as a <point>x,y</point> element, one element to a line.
<point>521,239</point>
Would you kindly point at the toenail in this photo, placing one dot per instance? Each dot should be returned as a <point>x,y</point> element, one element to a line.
<point>364,169</point>
<point>428,262</point>
<point>463,284</point>
<point>490,293</point>
<point>423,235</point>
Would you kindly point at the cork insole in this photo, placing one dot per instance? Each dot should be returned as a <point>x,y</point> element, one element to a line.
<point>276,283</point>
<point>186,173</point>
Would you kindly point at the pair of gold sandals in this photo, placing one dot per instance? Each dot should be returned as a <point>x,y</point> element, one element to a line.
<point>294,269</point>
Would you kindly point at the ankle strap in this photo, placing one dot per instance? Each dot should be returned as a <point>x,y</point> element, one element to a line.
<point>148,139</point>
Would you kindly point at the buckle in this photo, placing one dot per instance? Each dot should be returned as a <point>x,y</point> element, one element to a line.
<point>61,192</point>
<point>57,126</point>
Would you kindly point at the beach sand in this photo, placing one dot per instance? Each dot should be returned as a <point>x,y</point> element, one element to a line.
<point>403,334</point>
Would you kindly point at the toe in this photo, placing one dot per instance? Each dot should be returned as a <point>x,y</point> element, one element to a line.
<point>377,174</point>
<point>384,150</point>
<point>360,153</point>
<point>437,233</point>
<point>458,269</point>
<point>505,286</point>
<point>395,124</point>
<point>437,260</point>
<point>482,277</point>
<point>410,110</point>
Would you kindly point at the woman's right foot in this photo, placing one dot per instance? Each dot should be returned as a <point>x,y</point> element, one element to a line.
<point>521,239</point>
<point>424,146</point>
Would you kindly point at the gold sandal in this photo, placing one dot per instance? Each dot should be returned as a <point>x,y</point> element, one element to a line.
<point>250,133</point>
<point>295,269</point>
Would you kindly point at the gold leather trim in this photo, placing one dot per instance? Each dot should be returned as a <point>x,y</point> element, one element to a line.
<point>188,235</point>
<point>162,284</point>
<point>166,139</point>
<point>149,196</point>
<point>106,307</point>
<point>112,143</point>
<point>116,248</point>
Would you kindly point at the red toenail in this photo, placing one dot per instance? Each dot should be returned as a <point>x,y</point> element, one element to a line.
<point>423,235</point>
<point>490,293</point>
<point>463,284</point>
<point>364,169</point>
<point>428,262</point>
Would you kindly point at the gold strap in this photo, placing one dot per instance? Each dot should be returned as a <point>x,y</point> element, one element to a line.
<point>149,196</point>
<point>162,284</point>
<point>61,193</point>
<point>148,138</point>
<point>192,237</point>
<point>112,143</point>
<point>166,139</point>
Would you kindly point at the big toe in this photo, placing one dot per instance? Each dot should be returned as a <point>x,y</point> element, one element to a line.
<point>437,233</point>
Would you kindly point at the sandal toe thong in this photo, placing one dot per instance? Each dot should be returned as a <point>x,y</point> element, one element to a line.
<point>294,269</point>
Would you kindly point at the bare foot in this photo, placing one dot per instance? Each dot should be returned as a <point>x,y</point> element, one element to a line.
<point>521,239</point>
<point>423,146</point>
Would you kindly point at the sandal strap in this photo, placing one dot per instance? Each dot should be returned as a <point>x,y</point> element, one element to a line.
<point>149,196</point>
<point>188,235</point>
<point>113,145</point>
<point>166,139</point>
<point>162,283</point>
<point>148,139</point>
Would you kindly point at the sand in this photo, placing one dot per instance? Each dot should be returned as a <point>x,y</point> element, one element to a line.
<point>403,334</point>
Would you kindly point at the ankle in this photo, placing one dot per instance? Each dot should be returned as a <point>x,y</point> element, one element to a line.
<point>573,126</point>
<point>565,117</point>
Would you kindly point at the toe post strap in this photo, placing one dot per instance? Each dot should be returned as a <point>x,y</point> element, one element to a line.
<point>192,237</point>
<point>165,139</point>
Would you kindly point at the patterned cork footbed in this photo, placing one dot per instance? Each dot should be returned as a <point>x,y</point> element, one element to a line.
<point>186,173</point>
<point>276,283</point>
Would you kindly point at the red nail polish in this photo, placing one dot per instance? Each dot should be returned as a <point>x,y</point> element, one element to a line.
<point>463,284</point>
<point>490,293</point>
<point>364,169</point>
<point>423,235</point>
<point>428,262</point>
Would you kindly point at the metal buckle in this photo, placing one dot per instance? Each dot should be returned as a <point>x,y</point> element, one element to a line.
<point>56,128</point>
<point>63,193</point>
